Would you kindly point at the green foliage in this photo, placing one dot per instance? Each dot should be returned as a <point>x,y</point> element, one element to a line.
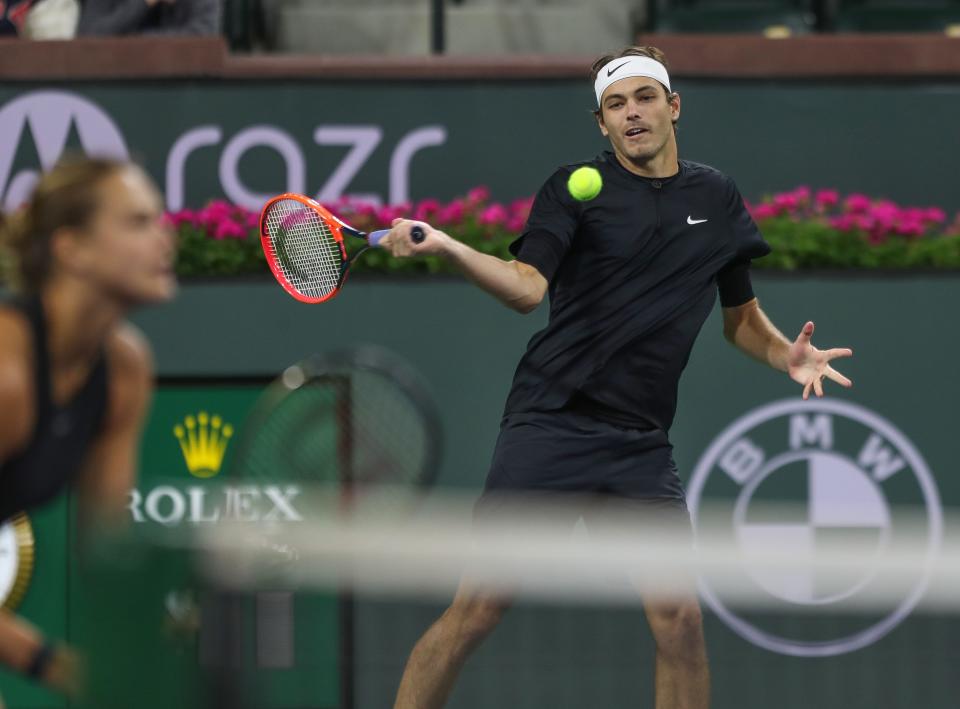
<point>199,255</point>
<point>806,230</point>
<point>799,245</point>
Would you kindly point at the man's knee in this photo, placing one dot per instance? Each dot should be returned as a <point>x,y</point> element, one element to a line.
<point>475,618</point>
<point>677,628</point>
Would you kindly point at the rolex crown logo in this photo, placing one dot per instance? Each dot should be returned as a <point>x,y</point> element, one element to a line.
<point>203,441</point>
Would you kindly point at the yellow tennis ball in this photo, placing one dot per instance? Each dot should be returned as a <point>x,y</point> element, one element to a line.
<point>585,183</point>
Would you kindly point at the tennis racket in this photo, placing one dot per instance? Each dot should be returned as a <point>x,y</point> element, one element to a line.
<point>303,243</point>
<point>359,422</point>
<point>358,419</point>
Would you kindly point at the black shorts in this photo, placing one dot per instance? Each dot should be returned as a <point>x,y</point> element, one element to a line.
<point>565,452</point>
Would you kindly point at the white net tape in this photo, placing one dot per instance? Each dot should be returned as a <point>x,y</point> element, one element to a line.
<point>538,549</point>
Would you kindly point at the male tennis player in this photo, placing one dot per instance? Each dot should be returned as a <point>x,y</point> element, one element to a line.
<point>632,276</point>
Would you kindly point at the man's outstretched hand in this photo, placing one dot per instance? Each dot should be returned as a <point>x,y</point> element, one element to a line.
<point>808,366</point>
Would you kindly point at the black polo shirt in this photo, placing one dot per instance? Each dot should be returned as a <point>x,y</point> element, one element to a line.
<point>633,275</point>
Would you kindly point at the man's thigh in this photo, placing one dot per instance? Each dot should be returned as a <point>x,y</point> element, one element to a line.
<point>656,536</point>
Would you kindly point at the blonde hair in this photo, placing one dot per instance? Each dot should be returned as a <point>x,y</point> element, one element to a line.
<point>66,196</point>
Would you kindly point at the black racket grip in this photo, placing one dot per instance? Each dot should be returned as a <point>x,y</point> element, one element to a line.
<point>417,234</point>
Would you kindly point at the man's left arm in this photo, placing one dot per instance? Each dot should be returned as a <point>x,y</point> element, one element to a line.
<point>748,327</point>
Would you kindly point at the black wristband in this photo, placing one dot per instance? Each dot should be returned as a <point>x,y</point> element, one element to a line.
<point>41,659</point>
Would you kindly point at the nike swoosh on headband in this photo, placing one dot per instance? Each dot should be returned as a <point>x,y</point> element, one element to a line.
<point>610,71</point>
<point>626,67</point>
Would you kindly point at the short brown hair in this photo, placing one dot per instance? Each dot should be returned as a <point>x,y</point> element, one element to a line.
<point>649,52</point>
<point>67,196</point>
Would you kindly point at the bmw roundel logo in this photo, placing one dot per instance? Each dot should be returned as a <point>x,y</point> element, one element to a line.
<point>795,476</point>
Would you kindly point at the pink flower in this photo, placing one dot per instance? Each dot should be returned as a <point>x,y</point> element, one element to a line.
<point>884,207</point>
<point>453,213</point>
<point>521,206</point>
<point>294,219</point>
<point>478,195</point>
<point>910,228</point>
<point>427,208</point>
<point>827,198</point>
<point>786,202</point>
<point>184,216</point>
<point>363,209</point>
<point>935,215</point>
<point>214,213</point>
<point>493,215</point>
<point>802,194</point>
<point>885,215</point>
<point>844,222</point>
<point>912,214</point>
<point>765,211</point>
<point>857,203</point>
<point>228,229</point>
<point>347,204</point>
<point>516,223</point>
<point>385,215</point>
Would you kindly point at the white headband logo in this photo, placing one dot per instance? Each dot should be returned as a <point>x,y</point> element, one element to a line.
<point>626,67</point>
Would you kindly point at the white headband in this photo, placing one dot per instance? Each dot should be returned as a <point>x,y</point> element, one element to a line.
<point>626,67</point>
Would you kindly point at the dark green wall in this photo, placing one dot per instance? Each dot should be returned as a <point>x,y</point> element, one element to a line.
<point>466,345</point>
<point>898,140</point>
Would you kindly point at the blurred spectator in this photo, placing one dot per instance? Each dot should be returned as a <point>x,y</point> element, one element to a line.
<point>52,19</point>
<point>13,14</point>
<point>167,17</point>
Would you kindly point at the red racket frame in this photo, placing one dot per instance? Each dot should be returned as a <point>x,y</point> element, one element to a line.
<point>336,228</point>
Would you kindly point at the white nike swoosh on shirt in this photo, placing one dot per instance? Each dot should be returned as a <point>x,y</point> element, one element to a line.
<point>691,220</point>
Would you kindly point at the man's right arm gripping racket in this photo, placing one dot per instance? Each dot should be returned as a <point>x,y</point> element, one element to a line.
<point>517,285</point>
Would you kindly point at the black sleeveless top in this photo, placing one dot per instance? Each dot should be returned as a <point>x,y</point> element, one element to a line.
<point>61,434</point>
